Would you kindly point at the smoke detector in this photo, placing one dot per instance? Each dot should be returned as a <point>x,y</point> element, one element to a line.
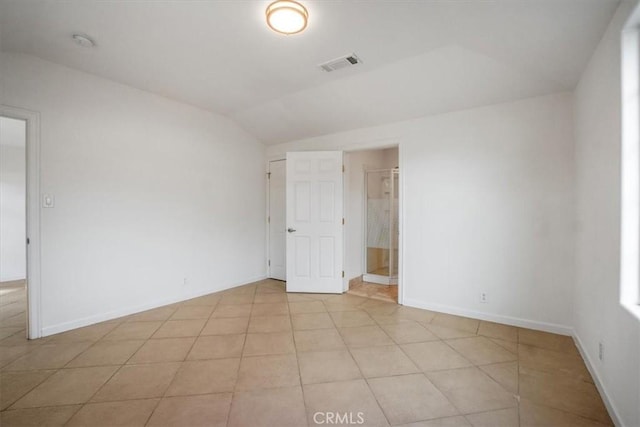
<point>83,40</point>
<point>339,63</point>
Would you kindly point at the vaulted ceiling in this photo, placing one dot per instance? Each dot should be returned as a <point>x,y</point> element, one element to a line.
<point>419,57</point>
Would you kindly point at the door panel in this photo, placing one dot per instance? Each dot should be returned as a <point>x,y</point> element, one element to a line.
<point>302,249</point>
<point>302,202</point>
<point>327,256</point>
<point>314,220</point>
<point>327,197</point>
<point>277,221</point>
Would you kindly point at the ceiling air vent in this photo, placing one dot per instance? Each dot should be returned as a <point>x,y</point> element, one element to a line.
<point>343,62</point>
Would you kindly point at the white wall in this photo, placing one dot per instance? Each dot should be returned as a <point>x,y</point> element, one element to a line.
<point>488,207</point>
<point>13,261</point>
<point>147,191</point>
<point>391,158</point>
<point>599,317</point>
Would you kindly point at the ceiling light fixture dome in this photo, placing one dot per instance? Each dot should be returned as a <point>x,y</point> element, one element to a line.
<point>287,17</point>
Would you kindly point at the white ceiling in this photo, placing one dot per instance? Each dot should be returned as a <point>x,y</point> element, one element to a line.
<point>420,57</point>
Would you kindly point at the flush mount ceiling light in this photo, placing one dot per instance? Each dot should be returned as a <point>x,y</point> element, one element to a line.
<point>83,40</point>
<point>287,16</point>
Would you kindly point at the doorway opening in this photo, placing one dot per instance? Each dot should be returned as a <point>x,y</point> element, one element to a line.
<point>381,226</point>
<point>13,227</point>
<point>31,253</point>
<point>372,213</point>
<point>372,254</point>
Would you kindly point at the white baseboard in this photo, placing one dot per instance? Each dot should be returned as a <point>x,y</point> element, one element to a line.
<point>379,279</point>
<point>608,402</point>
<point>12,279</point>
<point>531,324</point>
<point>114,314</point>
<point>508,320</point>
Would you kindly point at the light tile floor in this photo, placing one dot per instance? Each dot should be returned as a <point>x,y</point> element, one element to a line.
<point>387,293</point>
<point>256,356</point>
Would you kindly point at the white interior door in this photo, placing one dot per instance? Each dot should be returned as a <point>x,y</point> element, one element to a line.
<point>277,221</point>
<point>314,221</point>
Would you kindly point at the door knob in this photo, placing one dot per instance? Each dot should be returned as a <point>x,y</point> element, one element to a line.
<point>291,230</point>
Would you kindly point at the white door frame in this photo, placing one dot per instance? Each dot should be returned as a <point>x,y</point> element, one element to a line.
<point>268,213</point>
<point>401,222</point>
<point>34,291</point>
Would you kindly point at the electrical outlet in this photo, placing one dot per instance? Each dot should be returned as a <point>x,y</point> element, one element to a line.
<point>601,351</point>
<point>184,282</point>
<point>483,297</point>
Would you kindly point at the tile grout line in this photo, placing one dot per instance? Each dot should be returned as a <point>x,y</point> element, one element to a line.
<point>164,394</point>
<point>244,343</point>
<point>472,365</point>
<point>29,391</point>
<point>130,357</point>
<point>60,369</point>
<point>173,378</point>
<point>295,349</point>
<point>424,373</point>
<point>120,367</point>
<point>375,398</point>
<point>477,367</point>
<point>88,348</point>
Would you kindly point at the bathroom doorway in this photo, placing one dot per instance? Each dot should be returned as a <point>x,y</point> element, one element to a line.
<point>373,223</point>
<point>381,226</point>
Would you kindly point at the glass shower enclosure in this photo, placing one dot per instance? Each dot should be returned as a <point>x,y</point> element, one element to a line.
<point>381,228</point>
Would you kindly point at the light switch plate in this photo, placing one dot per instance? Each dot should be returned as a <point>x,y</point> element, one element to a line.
<point>48,201</point>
